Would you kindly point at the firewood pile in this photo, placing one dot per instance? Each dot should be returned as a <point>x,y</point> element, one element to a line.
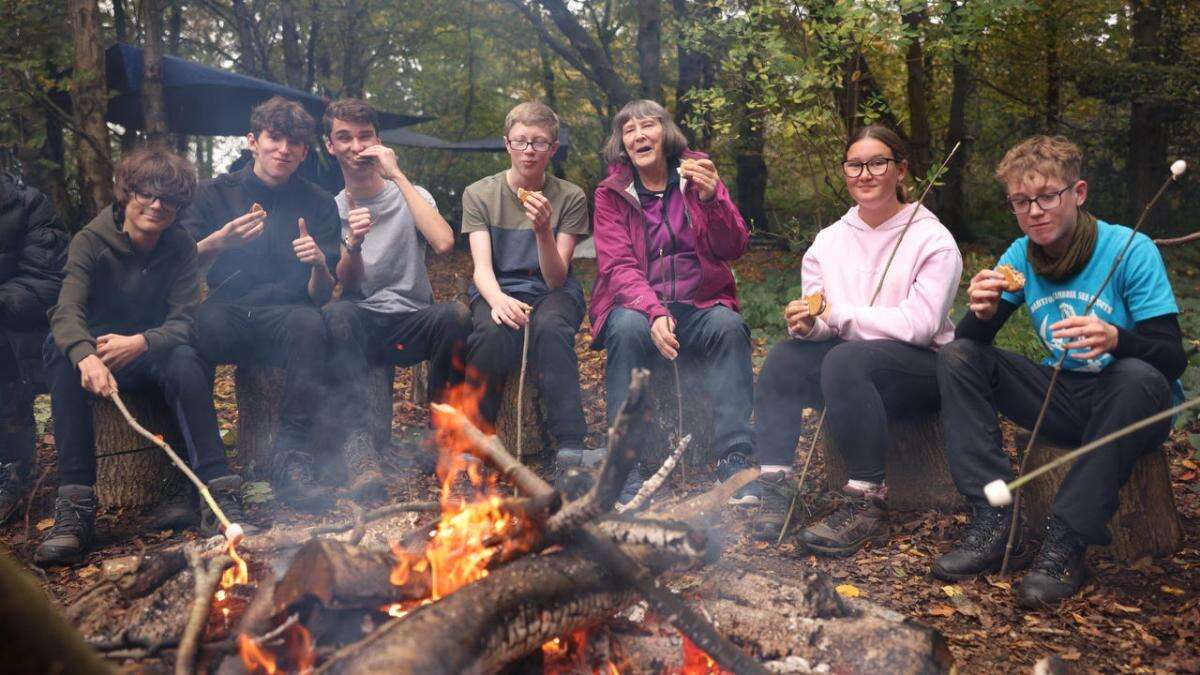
<point>486,580</point>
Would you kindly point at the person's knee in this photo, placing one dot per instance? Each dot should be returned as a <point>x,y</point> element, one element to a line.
<point>961,353</point>
<point>341,319</point>
<point>1128,375</point>
<point>626,328</point>
<point>725,324</point>
<point>304,326</point>
<point>454,319</point>
<point>183,367</point>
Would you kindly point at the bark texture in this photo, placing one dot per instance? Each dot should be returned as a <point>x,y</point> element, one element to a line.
<point>138,473</point>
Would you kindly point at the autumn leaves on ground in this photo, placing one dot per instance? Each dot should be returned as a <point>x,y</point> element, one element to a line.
<point>1139,618</point>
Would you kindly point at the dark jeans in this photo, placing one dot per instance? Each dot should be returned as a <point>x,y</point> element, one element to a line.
<point>289,336</point>
<point>182,378</point>
<point>360,337</point>
<point>860,384</point>
<point>494,350</point>
<point>16,414</point>
<point>717,336</point>
<point>978,381</point>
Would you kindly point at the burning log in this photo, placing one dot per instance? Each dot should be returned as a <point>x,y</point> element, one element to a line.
<point>341,575</point>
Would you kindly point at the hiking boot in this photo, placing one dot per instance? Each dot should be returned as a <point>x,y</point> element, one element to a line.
<point>362,464</point>
<point>569,476</point>
<point>180,510</point>
<point>858,520</point>
<point>981,547</point>
<point>774,492</point>
<point>74,527</point>
<point>226,491</point>
<point>1058,571</point>
<point>729,466</point>
<point>12,489</point>
<point>294,483</point>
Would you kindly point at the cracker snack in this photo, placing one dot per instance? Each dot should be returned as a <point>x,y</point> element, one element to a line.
<point>1013,280</point>
<point>816,303</point>
<point>524,194</point>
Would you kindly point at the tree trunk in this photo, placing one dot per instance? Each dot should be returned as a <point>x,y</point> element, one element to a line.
<point>551,94</point>
<point>293,59</point>
<point>1148,128</point>
<point>649,48</point>
<point>751,166</point>
<point>314,36</point>
<point>858,85</point>
<point>917,474</point>
<point>918,107</point>
<point>353,72</point>
<point>953,200</point>
<point>154,110</point>
<point>1146,522</point>
<point>247,51</point>
<point>120,21</point>
<point>1050,22</point>
<point>131,471</point>
<point>695,72</point>
<point>598,67</point>
<point>89,96</point>
<point>174,39</point>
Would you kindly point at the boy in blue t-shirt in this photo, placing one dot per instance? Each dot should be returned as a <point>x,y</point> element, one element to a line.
<point>1123,356</point>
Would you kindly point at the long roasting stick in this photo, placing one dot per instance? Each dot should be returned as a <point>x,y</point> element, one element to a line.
<point>233,531</point>
<point>875,296</point>
<point>1177,170</point>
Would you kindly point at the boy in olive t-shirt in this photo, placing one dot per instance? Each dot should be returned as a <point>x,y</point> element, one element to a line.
<point>522,252</point>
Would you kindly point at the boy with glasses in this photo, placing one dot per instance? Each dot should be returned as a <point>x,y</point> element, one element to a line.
<point>523,225</point>
<point>1122,359</point>
<point>124,321</point>
<point>272,240</point>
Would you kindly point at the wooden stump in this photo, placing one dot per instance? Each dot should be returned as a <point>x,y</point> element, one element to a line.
<point>917,473</point>
<point>535,439</point>
<point>381,381</point>
<point>697,413</point>
<point>1146,522</point>
<point>130,470</point>
<point>418,393</point>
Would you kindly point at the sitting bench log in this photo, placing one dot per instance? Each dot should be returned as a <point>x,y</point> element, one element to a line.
<point>130,470</point>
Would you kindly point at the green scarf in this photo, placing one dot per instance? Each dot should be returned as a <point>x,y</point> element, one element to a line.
<point>1083,242</point>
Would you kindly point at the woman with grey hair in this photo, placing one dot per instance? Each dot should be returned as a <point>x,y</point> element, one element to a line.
<point>666,230</point>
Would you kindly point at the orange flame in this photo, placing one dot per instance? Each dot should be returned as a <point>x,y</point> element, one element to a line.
<point>697,662</point>
<point>473,528</point>
<point>238,573</point>
<point>298,655</point>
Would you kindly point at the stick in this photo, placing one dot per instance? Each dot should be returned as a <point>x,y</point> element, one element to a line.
<point>1037,426</point>
<point>521,385</point>
<point>206,584</point>
<point>1178,240</point>
<point>874,296</point>
<point>651,486</point>
<point>32,496</point>
<point>490,449</point>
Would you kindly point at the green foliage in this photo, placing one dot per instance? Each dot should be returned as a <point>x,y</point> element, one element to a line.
<point>763,303</point>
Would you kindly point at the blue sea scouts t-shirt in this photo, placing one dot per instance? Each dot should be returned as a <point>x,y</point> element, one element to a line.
<point>1138,290</point>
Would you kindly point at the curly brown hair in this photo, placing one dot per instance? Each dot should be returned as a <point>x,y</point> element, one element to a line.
<point>350,110</point>
<point>1046,156</point>
<point>284,117</point>
<point>155,170</point>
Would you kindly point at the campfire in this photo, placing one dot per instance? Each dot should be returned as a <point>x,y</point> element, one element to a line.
<point>497,579</point>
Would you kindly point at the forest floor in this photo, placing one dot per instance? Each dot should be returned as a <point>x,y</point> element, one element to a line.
<point>1142,618</point>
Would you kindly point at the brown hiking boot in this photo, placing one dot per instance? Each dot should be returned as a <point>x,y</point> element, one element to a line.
<point>362,464</point>
<point>859,520</point>
<point>774,492</point>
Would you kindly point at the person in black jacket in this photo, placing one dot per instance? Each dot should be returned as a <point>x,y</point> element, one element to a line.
<point>33,248</point>
<point>124,320</point>
<point>272,239</point>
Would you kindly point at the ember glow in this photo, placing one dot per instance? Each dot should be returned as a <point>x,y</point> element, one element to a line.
<point>697,662</point>
<point>296,656</point>
<point>236,574</point>
<point>474,528</point>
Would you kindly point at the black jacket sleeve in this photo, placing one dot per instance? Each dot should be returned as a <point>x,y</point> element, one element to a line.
<point>25,298</point>
<point>1157,341</point>
<point>972,327</point>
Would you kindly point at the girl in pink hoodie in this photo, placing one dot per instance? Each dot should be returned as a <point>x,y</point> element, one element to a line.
<point>868,350</point>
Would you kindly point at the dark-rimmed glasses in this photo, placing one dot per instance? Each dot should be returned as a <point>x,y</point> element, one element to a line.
<point>147,200</point>
<point>1046,201</point>
<point>875,167</point>
<point>538,146</point>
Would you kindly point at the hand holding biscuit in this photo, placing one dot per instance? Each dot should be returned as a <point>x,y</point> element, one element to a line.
<point>983,295</point>
<point>703,173</point>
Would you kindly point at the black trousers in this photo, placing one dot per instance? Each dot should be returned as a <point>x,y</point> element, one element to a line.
<point>16,414</point>
<point>859,383</point>
<point>978,381</point>
<point>179,374</point>
<point>289,336</point>
<point>360,337</point>
<point>494,350</point>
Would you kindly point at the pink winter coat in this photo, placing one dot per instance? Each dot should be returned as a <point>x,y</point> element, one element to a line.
<point>621,256</point>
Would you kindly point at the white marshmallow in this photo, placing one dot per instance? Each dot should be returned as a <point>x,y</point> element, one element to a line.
<point>1178,167</point>
<point>234,533</point>
<point>998,494</point>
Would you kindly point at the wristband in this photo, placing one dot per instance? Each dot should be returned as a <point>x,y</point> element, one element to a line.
<point>349,248</point>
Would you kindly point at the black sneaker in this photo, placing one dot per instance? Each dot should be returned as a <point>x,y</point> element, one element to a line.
<point>775,492</point>
<point>1058,571</point>
<point>12,489</point>
<point>294,482</point>
<point>981,548</point>
<point>729,466</point>
<point>226,491</point>
<point>74,527</point>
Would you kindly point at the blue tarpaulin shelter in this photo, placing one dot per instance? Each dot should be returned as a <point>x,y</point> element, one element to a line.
<point>413,139</point>
<point>202,100</point>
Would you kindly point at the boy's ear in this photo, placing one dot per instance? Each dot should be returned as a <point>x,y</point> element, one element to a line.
<point>1081,192</point>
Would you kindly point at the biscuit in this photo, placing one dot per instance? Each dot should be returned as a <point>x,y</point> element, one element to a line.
<point>523,194</point>
<point>816,303</point>
<point>256,208</point>
<point>684,163</point>
<point>1013,280</point>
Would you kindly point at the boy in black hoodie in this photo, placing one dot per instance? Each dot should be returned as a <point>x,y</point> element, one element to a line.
<point>124,320</point>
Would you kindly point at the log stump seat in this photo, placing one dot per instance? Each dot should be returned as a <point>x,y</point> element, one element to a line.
<point>130,470</point>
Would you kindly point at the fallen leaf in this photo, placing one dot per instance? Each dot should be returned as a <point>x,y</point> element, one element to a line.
<point>45,524</point>
<point>952,590</point>
<point>848,590</point>
<point>1072,655</point>
<point>1126,608</point>
<point>88,571</point>
<point>941,610</point>
<point>1172,590</point>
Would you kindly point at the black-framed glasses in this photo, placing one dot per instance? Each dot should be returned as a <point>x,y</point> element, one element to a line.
<point>147,200</point>
<point>538,146</point>
<point>875,167</point>
<point>1049,200</point>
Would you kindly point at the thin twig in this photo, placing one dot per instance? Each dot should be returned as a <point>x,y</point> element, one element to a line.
<point>1037,427</point>
<point>787,521</point>
<point>656,481</point>
<point>678,409</point>
<point>521,385</point>
<point>1178,240</point>
<point>33,496</point>
<point>206,580</point>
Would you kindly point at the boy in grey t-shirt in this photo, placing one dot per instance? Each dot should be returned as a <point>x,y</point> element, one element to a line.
<point>523,225</point>
<point>387,311</point>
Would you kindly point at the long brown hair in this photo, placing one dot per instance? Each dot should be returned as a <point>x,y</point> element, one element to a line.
<point>894,143</point>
